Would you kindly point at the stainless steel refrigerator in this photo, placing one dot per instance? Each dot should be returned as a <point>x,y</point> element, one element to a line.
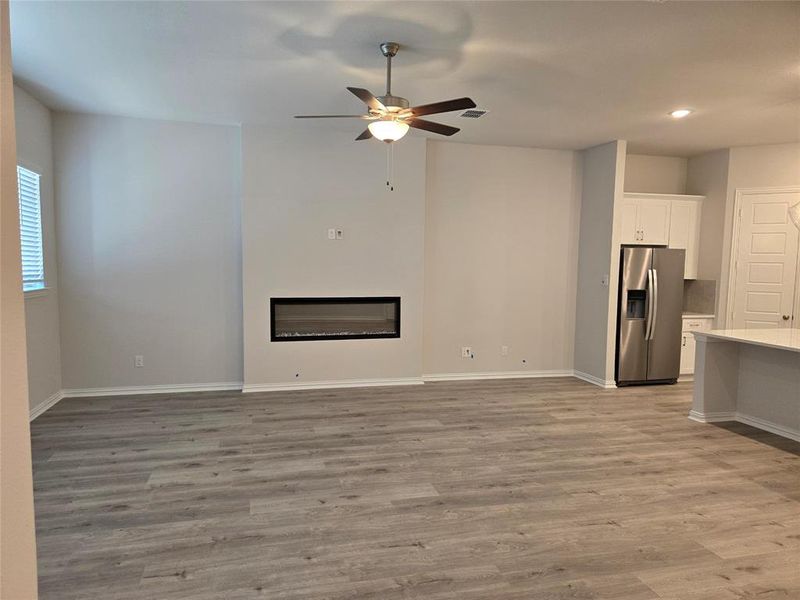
<point>649,322</point>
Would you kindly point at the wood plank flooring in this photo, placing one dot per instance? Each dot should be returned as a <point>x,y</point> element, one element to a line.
<point>507,490</point>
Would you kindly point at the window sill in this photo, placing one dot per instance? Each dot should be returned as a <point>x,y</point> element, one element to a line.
<point>45,291</point>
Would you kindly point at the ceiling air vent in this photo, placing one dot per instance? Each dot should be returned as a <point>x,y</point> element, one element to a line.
<point>473,113</point>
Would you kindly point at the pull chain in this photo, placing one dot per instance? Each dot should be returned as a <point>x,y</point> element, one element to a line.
<point>390,166</point>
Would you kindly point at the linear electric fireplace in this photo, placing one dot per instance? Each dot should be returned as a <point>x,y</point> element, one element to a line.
<point>300,319</point>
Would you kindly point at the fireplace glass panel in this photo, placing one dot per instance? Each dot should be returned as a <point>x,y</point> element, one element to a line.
<point>299,319</point>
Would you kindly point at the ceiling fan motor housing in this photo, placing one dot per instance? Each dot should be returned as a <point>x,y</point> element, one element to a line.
<point>391,102</point>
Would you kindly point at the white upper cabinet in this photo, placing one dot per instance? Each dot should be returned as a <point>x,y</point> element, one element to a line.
<point>663,220</point>
<point>630,221</point>
<point>645,221</point>
<point>654,222</point>
<point>684,232</point>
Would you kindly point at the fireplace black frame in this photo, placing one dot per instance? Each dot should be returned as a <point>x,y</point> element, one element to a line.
<point>335,300</point>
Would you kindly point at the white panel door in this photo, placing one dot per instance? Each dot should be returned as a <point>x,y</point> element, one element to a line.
<point>630,231</point>
<point>765,271</point>
<point>654,221</point>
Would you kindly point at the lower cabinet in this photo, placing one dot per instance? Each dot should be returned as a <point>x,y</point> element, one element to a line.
<point>690,325</point>
<point>687,353</point>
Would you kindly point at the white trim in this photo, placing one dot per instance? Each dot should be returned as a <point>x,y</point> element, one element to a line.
<point>715,417</point>
<point>734,250</point>
<point>37,293</point>
<point>758,423</point>
<point>496,375</point>
<point>46,404</point>
<point>792,434</point>
<point>603,383</point>
<point>324,385</point>
<point>153,389</point>
<point>653,196</point>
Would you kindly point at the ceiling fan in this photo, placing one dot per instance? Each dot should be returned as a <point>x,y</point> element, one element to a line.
<point>391,116</point>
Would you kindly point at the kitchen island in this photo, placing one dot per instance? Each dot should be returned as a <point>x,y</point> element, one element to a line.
<point>751,376</point>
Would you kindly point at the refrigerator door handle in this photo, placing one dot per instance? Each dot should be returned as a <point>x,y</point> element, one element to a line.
<point>650,291</point>
<point>655,304</point>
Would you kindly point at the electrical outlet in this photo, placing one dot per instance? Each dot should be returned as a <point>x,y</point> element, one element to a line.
<point>503,350</point>
<point>466,352</point>
<point>339,234</point>
<point>331,233</point>
<point>138,361</point>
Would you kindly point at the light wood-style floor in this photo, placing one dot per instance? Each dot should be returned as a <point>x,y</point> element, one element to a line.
<point>526,489</point>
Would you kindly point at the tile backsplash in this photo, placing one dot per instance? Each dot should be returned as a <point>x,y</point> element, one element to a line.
<point>700,296</point>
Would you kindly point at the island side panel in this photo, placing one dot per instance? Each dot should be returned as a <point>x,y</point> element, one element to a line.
<point>716,380</point>
<point>769,389</point>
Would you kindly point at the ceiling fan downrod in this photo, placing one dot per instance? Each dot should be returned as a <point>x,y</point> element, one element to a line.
<point>389,50</point>
<point>392,103</point>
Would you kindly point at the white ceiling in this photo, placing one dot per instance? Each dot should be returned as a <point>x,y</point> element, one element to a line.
<point>553,74</point>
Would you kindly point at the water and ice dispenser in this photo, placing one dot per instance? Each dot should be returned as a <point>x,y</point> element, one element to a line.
<point>636,303</point>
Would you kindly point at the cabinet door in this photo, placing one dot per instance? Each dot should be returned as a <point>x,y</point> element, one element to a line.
<point>687,353</point>
<point>630,230</point>
<point>684,233</point>
<point>654,221</point>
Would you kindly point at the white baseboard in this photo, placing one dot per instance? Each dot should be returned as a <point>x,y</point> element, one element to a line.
<point>603,383</point>
<point>495,375</point>
<point>153,389</point>
<point>713,417</point>
<point>324,385</point>
<point>792,434</point>
<point>46,405</point>
<point>758,423</point>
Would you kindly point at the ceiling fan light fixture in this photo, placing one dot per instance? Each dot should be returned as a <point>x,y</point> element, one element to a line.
<point>388,130</point>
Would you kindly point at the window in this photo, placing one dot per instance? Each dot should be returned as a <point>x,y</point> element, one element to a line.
<point>30,230</point>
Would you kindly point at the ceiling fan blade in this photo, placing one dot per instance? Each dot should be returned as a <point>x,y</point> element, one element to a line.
<point>333,117</point>
<point>431,126</point>
<point>441,107</point>
<point>367,98</point>
<point>365,135</point>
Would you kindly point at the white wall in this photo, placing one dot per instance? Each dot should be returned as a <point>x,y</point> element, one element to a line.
<point>655,174</point>
<point>501,243</point>
<point>149,251</point>
<point>35,151</point>
<point>707,176</point>
<point>298,183</point>
<point>17,539</point>
<point>598,258</point>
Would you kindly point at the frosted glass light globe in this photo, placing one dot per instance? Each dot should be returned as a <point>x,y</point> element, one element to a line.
<point>388,130</point>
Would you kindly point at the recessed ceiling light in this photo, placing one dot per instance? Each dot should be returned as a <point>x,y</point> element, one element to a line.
<point>680,113</point>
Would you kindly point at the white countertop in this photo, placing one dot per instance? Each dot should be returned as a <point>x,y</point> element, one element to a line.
<point>783,339</point>
<point>693,315</point>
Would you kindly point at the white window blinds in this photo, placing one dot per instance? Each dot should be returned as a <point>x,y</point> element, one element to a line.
<point>30,229</point>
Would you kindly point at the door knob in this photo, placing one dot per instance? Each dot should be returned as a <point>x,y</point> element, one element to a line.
<point>785,317</point>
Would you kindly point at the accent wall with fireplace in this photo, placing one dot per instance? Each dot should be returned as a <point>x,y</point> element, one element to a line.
<point>297,184</point>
